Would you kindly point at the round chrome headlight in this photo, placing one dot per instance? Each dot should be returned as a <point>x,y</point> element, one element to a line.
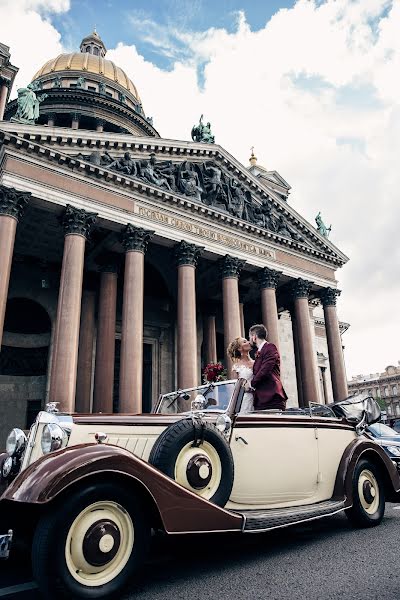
<point>16,442</point>
<point>53,438</point>
<point>223,423</point>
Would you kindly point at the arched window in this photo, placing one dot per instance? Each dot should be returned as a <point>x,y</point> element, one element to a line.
<point>26,316</point>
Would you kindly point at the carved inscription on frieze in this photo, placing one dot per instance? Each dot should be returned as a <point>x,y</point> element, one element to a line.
<point>204,232</point>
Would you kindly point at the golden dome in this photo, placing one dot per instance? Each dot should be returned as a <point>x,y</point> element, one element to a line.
<point>88,63</point>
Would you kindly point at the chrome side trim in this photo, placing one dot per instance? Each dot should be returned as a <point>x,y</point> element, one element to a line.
<point>5,544</point>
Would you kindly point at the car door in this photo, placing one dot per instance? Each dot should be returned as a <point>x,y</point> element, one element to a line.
<point>276,460</point>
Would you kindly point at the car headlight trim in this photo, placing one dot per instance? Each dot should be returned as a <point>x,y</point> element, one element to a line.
<point>53,438</point>
<point>16,442</point>
<point>223,423</point>
<point>395,450</point>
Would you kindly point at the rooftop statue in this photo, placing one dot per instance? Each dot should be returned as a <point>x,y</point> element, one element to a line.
<point>322,228</point>
<point>202,133</point>
<point>28,104</point>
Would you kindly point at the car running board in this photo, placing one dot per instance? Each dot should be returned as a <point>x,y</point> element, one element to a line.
<point>263,520</point>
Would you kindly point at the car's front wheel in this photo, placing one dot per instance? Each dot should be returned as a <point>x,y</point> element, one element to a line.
<point>368,496</point>
<point>91,546</point>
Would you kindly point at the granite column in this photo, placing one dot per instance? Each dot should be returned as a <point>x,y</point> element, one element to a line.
<point>230,268</point>
<point>77,224</point>
<point>134,241</point>
<point>186,256</point>
<point>300,289</point>
<point>268,281</point>
<point>12,204</point>
<point>335,351</point>
<point>105,343</point>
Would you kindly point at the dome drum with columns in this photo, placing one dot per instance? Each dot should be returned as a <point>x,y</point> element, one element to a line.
<point>144,256</point>
<point>93,89</point>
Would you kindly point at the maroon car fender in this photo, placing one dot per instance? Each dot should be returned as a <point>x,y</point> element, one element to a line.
<point>360,448</point>
<point>180,510</point>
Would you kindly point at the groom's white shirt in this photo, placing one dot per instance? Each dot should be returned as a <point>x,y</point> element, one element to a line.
<point>259,346</point>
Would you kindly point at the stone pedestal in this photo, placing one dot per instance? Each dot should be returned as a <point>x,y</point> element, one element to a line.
<point>268,280</point>
<point>186,257</point>
<point>335,351</point>
<point>12,204</point>
<point>77,224</point>
<point>230,268</point>
<point>135,241</point>
<point>85,354</point>
<point>305,351</point>
<point>105,343</point>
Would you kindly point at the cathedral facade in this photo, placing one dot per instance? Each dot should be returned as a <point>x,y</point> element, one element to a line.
<point>130,261</point>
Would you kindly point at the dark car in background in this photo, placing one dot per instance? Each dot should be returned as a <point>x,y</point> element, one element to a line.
<point>388,438</point>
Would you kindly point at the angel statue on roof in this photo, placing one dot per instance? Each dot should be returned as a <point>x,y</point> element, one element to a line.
<point>202,133</point>
<point>322,228</point>
<point>28,104</point>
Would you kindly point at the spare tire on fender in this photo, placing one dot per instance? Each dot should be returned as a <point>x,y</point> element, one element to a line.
<point>196,455</point>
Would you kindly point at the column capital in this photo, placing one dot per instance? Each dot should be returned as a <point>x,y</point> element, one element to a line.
<point>13,202</point>
<point>268,278</point>
<point>187,254</point>
<point>77,221</point>
<point>328,296</point>
<point>135,239</point>
<point>230,266</point>
<point>5,81</point>
<point>300,288</point>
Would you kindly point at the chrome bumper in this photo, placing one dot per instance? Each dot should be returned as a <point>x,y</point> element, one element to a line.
<point>5,544</point>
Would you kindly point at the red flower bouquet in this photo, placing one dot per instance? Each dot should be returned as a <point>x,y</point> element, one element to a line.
<point>214,372</point>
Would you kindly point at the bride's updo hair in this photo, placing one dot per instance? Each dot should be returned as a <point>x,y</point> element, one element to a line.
<point>233,350</point>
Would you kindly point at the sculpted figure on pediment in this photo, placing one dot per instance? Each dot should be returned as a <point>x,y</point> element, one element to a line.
<point>190,180</point>
<point>123,165</point>
<point>238,199</point>
<point>152,175</point>
<point>216,187</point>
<point>167,170</point>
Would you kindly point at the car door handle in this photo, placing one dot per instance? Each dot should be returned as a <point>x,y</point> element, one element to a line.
<point>239,437</point>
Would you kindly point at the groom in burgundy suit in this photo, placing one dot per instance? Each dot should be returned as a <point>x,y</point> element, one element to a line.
<point>268,388</point>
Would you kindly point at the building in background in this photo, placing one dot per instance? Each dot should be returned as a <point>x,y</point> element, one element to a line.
<point>129,261</point>
<point>382,386</point>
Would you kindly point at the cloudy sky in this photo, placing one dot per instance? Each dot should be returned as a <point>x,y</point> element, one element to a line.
<point>313,85</point>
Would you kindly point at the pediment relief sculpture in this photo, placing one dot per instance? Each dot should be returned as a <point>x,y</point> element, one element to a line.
<point>204,182</point>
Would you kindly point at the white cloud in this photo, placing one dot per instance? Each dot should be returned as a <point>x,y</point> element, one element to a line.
<point>26,28</point>
<point>316,92</point>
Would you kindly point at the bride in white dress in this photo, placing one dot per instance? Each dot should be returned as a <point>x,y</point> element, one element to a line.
<point>238,351</point>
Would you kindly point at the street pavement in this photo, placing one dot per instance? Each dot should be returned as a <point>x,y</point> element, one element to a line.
<point>326,560</point>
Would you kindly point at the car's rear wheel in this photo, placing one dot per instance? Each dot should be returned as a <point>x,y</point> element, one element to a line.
<point>198,457</point>
<point>91,546</point>
<point>368,496</point>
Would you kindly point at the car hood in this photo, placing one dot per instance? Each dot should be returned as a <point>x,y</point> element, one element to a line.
<point>387,441</point>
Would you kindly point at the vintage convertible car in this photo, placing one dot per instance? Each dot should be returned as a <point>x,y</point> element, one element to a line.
<point>87,491</point>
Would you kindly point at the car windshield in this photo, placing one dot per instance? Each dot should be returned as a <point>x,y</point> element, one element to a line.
<point>211,397</point>
<point>381,430</point>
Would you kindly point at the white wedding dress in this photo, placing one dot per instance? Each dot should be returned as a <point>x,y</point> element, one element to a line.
<point>246,373</point>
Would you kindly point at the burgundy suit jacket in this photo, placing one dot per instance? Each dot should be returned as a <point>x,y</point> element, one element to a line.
<point>269,392</point>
